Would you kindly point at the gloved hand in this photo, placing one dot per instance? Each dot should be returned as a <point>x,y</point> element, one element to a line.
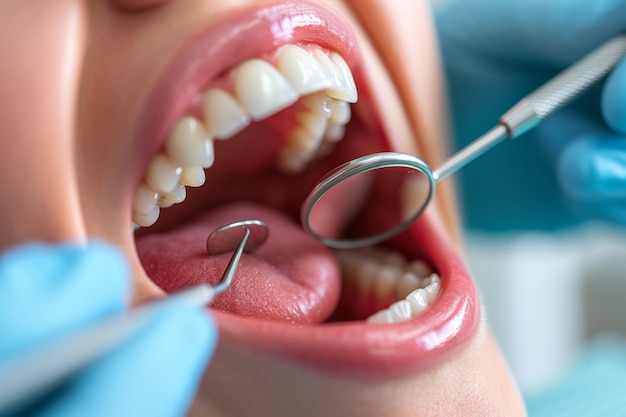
<point>50,291</point>
<point>497,51</point>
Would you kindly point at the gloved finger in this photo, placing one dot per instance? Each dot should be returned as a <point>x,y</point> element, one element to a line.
<point>614,212</point>
<point>558,31</point>
<point>565,127</point>
<point>45,290</point>
<point>155,373</point>
<point>614,99</point>
<point>593,169</point>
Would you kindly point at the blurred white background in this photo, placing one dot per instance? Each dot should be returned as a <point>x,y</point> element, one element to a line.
<point>548,295</point>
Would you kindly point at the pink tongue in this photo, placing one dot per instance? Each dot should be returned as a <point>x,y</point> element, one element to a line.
<point>291,277</point>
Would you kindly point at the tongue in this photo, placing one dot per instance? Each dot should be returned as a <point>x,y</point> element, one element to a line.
<point>290,278</point>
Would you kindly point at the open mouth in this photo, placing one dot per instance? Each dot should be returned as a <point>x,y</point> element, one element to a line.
<point>241,126</point>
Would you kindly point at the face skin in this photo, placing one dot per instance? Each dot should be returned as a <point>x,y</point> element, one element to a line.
<point>69,132</point>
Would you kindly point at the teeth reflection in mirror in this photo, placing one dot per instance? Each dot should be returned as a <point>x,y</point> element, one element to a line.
<point>187,144</point>
<point>162,175</point>
<point>261,89</point>
<point>415,191</point>
<point>192,177</point>
<point>223,116</point>
<point>303,72</point>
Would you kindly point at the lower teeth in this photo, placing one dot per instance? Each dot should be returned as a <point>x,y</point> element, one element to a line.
<point>385,273</point>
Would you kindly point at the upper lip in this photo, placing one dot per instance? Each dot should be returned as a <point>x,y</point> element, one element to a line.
<point>345,347</point>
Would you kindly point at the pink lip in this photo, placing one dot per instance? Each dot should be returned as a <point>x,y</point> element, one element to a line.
<point>378,350</point>
<point>353,348</point>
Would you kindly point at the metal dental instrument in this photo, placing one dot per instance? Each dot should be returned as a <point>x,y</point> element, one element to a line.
<point>407,184</point>
<point>35,373</point>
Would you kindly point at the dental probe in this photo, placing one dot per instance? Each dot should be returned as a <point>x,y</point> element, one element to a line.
<point>37,372</point>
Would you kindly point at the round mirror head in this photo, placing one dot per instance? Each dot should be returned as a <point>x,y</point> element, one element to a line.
<point>368,200</point>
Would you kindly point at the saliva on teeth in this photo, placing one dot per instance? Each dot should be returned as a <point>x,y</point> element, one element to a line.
<point>322,80</point>
<point>384,273</point>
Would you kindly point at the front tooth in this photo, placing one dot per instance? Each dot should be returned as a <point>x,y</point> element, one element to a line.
<point>303,72</point>
<point>145,200</point>
<point>192,177</point>
<point>261,89</point>
<point>189,144</point>
<point>347,79</point>
<point>418,300</point>
<point>162,175</point>
<point>147,219</point>
<point>342,88</point>
<point>223,115</point>
<point>400,310</point>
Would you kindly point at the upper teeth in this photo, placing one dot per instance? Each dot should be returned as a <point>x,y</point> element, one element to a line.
<point>259,90</point>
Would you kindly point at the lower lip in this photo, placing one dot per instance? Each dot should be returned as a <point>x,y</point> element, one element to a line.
<point>357,348</point>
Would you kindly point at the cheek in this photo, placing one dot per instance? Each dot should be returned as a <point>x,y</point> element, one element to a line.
<point>41,56</point>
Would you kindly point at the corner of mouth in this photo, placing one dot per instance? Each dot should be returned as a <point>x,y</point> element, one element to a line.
<point>347,347</point>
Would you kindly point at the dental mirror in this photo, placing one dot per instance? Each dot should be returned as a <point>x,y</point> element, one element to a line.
<point>375,197</point>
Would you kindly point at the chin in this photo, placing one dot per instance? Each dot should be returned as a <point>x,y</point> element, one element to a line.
<point>238,119</point>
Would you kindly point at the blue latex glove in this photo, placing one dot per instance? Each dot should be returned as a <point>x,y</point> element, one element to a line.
<point>573,166</point>
<point>50,291</point>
